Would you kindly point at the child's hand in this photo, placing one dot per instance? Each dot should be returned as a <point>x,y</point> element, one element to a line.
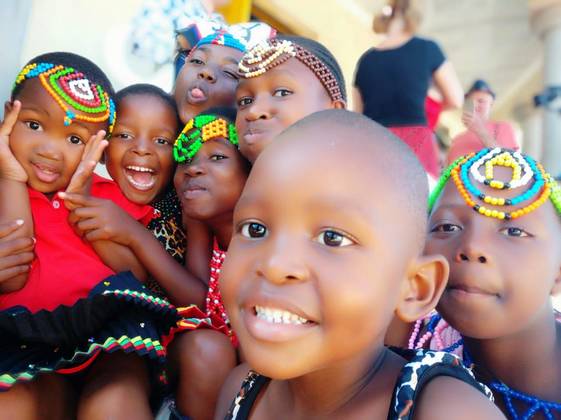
<point>80,182</point>
<point>16,256</point>
<point>10,168</point>
<point>97,219</point>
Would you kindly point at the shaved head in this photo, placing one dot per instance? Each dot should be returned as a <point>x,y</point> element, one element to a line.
<point>351,145</point>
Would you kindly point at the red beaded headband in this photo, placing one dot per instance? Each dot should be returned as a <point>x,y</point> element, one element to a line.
<point>265,56</point>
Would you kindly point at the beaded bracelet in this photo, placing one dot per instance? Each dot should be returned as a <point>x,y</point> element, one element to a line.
<point>199,130</point>
<point>71,89</point>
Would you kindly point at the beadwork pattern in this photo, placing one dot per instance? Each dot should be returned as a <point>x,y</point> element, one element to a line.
<point>269,54</point>
<point>526,172</point>
<point>199,130</point>
<point>73,92</point>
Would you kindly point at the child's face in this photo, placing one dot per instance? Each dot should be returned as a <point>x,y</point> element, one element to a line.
<point>139,156</point>
<point>211,183</point>
<point>500,270</point>
<point>271,102</point>
<point>208,79</point>
<point>314,268</point>
<point>48,150</point>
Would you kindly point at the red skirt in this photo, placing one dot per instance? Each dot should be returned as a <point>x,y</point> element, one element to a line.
<point>423,143</point>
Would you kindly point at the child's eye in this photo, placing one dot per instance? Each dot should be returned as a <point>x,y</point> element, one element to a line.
<point>446,227</point>
<point>514,231</point>
<point>123,136</point>
<point>218,157</point>
<point>333,239</point>
<point>75,140</point>
<point>231,74</point>
<point>196,61</point>
<point>282,92</point>
<point>253,230</point>
<point>245,101</point>
<point>33,125</point>
<point>161,140</point>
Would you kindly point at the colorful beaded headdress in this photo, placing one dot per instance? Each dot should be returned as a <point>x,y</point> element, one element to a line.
<point>528,176</point>
<point>200,129</point>
<point>221,37</point>
<point>267,55</point>
<point>72,91</point>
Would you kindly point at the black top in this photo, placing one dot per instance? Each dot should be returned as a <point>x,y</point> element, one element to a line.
<point>393,83</point>
<point>422,367</point>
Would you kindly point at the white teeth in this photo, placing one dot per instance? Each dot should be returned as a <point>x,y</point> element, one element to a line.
<point>140,185</point>
<point>278,316</point>
<point>140,169</point>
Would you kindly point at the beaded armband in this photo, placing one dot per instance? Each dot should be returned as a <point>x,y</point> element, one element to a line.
<point>72,91</point>
<point>199,130</point>
<point>528,176</point>
<point>267,55</point>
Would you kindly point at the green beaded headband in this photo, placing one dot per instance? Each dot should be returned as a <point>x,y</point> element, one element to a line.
<point>69,87</point>
<point>199,130</point>
<point>466,174</point>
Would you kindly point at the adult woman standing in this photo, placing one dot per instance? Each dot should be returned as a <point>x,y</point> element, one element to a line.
<point>392,79</point>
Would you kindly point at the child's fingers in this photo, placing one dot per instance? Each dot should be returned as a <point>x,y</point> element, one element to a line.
<point>14,260</point>
<point>95,235</point>
<point>10,227</point>
<point>80,200</point>
<point>11,112</point>
<point>16,246</point>
<point>12,272</point>
<point>86,225</point>
<point>81,177</point>
<point>94,149</point>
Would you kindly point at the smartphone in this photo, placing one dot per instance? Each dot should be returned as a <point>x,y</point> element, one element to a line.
<point>469,105</point>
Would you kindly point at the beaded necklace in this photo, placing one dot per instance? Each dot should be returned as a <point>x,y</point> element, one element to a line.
<point>73,92</point>
<point>201,129</point>
<point>509,395</point>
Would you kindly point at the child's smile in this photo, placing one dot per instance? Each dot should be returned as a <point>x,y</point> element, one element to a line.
<point>48,150</point>
<point>139,155</point>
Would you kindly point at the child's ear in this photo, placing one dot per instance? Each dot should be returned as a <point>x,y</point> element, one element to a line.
<point>422,289</point>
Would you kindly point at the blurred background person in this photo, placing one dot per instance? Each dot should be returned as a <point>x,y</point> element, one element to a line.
<point>392,79</point>
<point>480,131</point>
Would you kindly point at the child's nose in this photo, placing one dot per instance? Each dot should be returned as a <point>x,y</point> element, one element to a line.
<point>282,261</point>
<point>469,255</point>
<point>49,151</point>
<point>207,74</point>
<point>142,147</point>
<point>194,169</point>
<point>258,110</point>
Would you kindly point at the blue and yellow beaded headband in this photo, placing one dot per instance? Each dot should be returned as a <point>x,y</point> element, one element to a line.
<point>526,172</point>
<point>71,89</point>
<point>199,130</point>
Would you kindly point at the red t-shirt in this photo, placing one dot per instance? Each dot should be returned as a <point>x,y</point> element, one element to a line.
<point>468,141</point>
<point>65,268</point>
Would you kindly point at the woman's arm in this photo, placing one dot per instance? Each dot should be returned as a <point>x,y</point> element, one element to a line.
<point>448,84</point>
<point>358,105</point>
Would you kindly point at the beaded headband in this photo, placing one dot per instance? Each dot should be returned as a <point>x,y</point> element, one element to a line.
<point>221,37</point>
<point>526,172</point>
<point>267,55</point>
<point>70,88</point>
<point>201,129</point>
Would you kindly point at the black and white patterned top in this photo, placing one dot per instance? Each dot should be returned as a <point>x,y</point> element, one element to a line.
<point>422,366</point>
